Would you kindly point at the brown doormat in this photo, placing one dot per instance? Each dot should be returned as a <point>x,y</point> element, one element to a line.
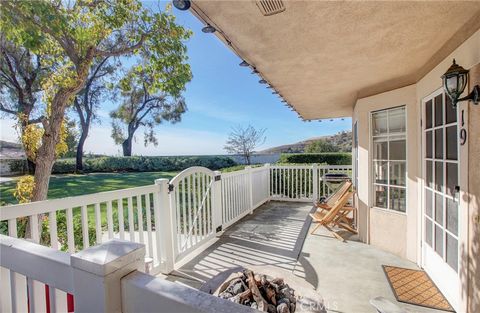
<point>415,287</point>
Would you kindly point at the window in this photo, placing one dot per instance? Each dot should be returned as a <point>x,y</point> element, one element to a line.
<point>389,160</point>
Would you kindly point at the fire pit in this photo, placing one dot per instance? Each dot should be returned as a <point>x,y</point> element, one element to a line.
<point>276,292</point>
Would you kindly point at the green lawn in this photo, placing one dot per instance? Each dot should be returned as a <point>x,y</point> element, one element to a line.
<point>76,185</point>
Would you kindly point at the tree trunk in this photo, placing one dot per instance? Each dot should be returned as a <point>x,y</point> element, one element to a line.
<point>30,167</point>
<point>127,146</point>
<point>79,156</point>
<point>46,153</point>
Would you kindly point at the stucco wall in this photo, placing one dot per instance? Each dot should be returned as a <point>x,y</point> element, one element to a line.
<point>391,231</point>
<point>401,233</point>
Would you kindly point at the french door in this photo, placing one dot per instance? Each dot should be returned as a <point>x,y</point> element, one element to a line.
<point>440,246</point>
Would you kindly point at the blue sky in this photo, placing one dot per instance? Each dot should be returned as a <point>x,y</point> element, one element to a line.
<point>221,95</point>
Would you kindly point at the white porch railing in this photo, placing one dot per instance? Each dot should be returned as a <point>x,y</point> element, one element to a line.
<point>105,278</point>
<point>171,218</point>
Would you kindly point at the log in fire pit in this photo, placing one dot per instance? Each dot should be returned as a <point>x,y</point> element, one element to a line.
<point>266,293</point>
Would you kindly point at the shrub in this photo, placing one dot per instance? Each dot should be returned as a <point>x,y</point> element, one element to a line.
<point>335,158</point>
<point>142,163</point>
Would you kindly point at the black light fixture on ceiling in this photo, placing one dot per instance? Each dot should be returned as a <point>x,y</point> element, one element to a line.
<point>182,5</point>
<point>455,80</point>
<point>262,81</point>
<point>254,71</point>
<point>244,63</point>
<point>209,29</point>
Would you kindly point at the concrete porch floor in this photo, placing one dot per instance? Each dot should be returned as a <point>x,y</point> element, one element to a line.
<point>345,274</point>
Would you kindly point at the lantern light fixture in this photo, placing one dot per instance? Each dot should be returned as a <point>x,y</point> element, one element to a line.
<point>244,63</point>
<point>455,80</point>
<point>209,29</point>
<point>182,5</point>
<point>254,71</point>
<point>262,81</point>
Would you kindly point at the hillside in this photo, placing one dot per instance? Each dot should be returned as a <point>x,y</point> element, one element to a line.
<point>341,139</point>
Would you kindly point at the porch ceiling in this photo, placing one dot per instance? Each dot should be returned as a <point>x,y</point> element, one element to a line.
<point>322,56</point>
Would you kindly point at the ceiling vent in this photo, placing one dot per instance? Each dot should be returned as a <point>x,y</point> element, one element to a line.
<point>270,7</point>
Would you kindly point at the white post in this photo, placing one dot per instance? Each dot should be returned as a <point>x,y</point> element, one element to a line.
<point>217,201</point>
<point>269,191</point>
<point>250,187</point>
<point>97,272</point>
<point>164,204</point>
<point>315,181</point>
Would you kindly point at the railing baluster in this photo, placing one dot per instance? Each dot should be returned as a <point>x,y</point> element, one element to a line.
<point>86,240</point>
<point>70,232</point>
<point>183,221</point>
<point>34,228</point>
<point>189,209</point>
<point>12,227</point>
<point>131,223</point>
<point>140,218</point>
<point>121,223</point>
<point>18,288</point>
<point>52,223</point>
<point>58,301</point>
<point>204,213</point>
<point>36,296</point>
<point>5,294</point>
<point>149,225</point>
<point>110,219</point>
<point>98,223</point>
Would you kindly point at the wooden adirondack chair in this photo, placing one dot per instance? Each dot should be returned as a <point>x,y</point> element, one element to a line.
<point>336,216</point>
<point>333,198</point>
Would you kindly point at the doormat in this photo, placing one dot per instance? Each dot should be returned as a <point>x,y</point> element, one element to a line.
<point>415,287</point>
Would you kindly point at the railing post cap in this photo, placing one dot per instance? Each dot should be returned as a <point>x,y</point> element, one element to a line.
<point>108,257</point>
<point>160,181</point>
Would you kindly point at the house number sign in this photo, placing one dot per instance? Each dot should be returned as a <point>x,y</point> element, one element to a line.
<point>463,131</point>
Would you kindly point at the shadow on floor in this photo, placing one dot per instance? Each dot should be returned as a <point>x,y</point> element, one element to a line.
<point>273,235</point>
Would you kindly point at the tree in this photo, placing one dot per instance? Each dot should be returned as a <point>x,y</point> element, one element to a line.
<point>70,35</point>
<point>21,74</point>
<point>243,141</point>
<point>88,100</point>
<point>320,146</point>
<point>142,108</point>
<point>71,138</point>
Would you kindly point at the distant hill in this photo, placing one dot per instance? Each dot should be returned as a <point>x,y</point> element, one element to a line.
<point>342,139</point>
<point>11,150</point>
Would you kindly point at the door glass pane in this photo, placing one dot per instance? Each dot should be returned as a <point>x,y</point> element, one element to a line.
<point>451,133</point>
<point>439,209</point>
<point>438,110</point>
<point>379,123</point>
<point>428,232</point>
<point>380,148</point>
<point>396,120</point>
<point>439,240</point>
<point>398,149</point>
<point>428,202</point>
<point>452,216</point>
<point>450,111</point>
<point>381,174</point>
<point>439,143</point>
<point>452,178</point>
<point>429,173</point>
<point>398,172</point>
<point>397,199</point>
<point>428,114</point>
<point>428,145</point>
<point>381,197</point>
<point>439,176</point>
<point>452,252</point>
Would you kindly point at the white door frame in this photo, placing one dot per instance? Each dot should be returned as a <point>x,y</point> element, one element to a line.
<point>456,296</point>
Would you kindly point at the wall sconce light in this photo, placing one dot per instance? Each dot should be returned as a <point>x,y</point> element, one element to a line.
<point>455,80</point>
<point>182,5</point>
<point>209,29</point>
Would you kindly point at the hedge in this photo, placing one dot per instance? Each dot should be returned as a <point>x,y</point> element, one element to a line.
<point>142,164</point>
<point>333,158</point>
